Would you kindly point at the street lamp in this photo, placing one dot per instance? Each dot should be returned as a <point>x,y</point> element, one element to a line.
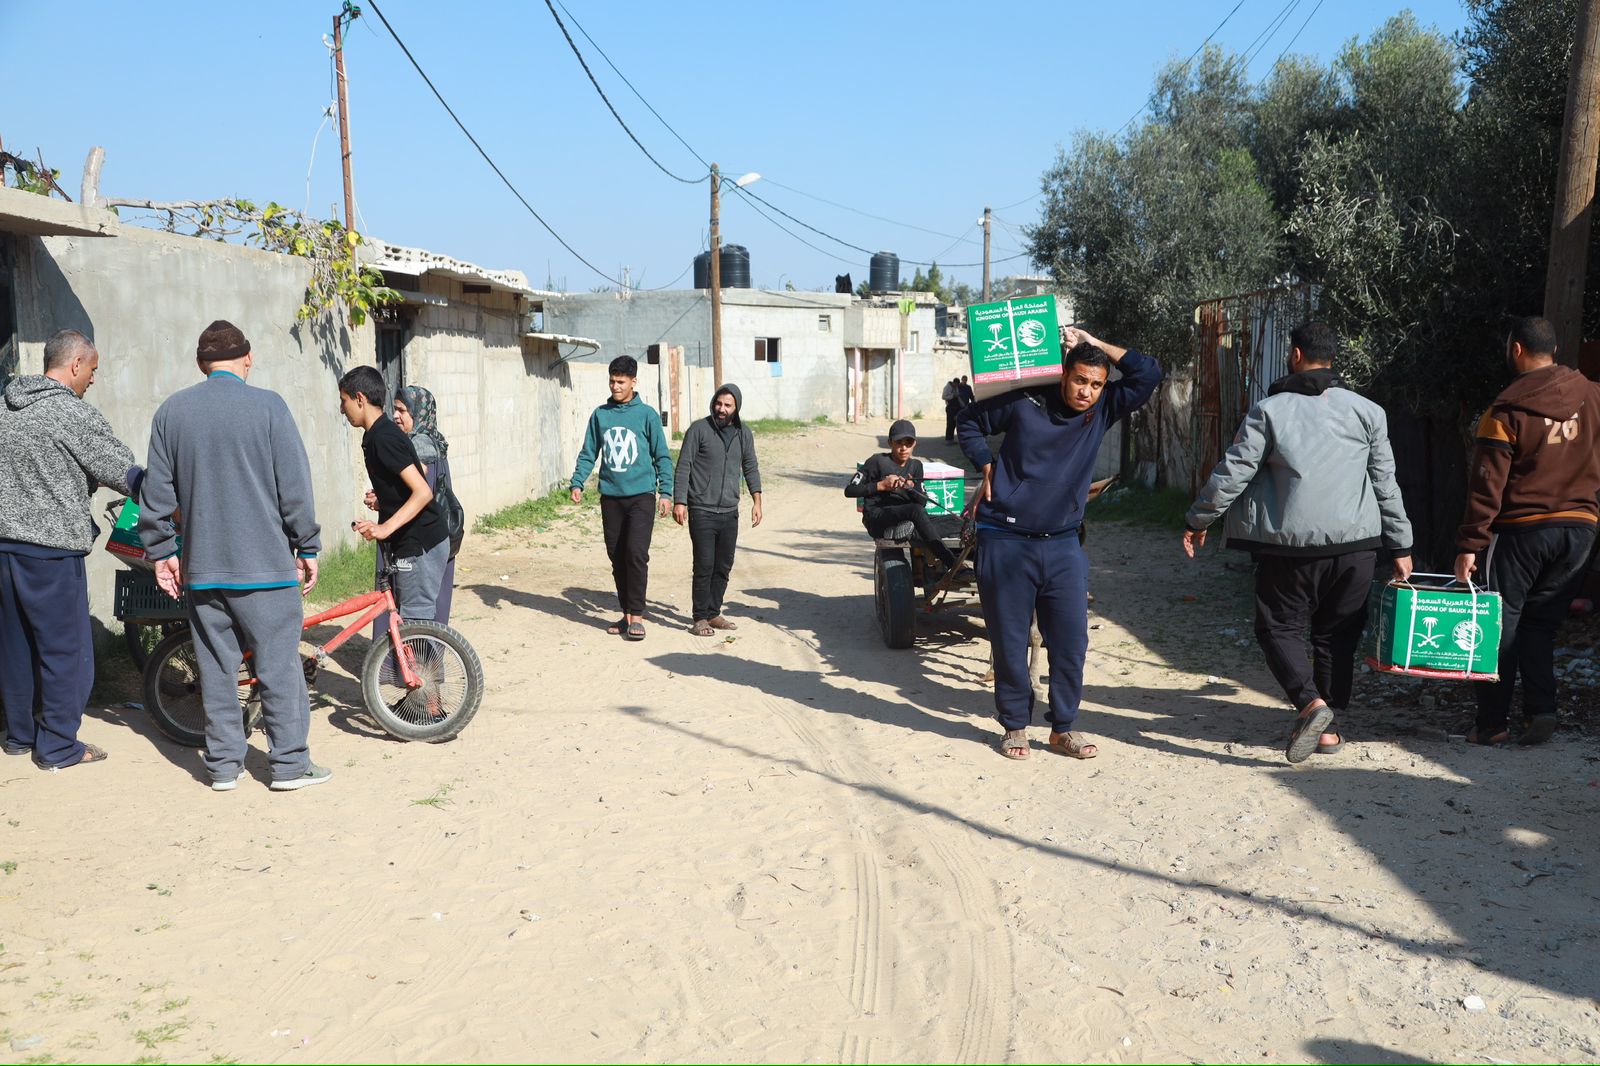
<point>716,266</point>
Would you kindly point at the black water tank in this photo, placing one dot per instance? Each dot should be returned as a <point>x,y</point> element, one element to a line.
<point>884,275</point>
<point>735,266</point>
<point>702,270</point>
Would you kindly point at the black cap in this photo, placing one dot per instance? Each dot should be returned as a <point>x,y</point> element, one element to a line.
<point>902,429</point>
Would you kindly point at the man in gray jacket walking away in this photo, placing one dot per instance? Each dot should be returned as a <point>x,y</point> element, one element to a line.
<point>717,451</point>
<point>229,459</point>
<point>55,451</point>
<point>1308,486</point>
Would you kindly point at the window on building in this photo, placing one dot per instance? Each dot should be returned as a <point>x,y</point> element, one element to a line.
<point>766,349</point>
<point>652,355</point>
<point>824,323</point>
<point>916,342</point>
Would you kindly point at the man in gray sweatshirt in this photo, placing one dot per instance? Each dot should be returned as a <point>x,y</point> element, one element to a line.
<point>717,451</point>
<point>55,451</point>
<point>228,458</point>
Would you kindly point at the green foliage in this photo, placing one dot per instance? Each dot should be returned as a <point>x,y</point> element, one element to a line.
<point>347,572</point>
<point>1161,508</point>
<point>539,512</point>
<point>933,281</point>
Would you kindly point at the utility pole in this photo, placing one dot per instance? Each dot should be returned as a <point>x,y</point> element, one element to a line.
<point>1575,178</point>
<point>344,114</point>
<point>716,279</point>
<point>988,216</point>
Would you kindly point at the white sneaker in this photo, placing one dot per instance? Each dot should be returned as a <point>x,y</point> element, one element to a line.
<point>314,775</point>
<point>227,785</point>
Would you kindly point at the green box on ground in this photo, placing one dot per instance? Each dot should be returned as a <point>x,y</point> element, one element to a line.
<point>1431,627</point>
<point>1013,343</point>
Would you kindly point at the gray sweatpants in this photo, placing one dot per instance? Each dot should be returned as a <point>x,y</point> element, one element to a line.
<point>417,580</point>
<point>266,622</point>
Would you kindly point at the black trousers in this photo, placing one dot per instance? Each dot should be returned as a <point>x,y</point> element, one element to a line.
<point>1328,596</point>
<point>714,537</point>
<point>950,412</point>
<point>878,518</point>
<point>629,522</point>
<point>1536,574</point>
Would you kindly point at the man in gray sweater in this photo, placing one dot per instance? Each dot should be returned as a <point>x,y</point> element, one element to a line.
<point>1309,490</point>
<point>717,451</point>
<point>55,451</point>
<point>228,458</point>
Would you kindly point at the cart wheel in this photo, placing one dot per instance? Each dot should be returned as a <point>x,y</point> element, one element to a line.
<point>141,638</point>
<point>896,598</point>
<point>172,691</point>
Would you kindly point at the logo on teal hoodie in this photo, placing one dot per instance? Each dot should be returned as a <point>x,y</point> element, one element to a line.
<point>628,441</point>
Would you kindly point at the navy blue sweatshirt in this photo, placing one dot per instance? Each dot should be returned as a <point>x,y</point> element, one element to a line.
<point>1041,478</point>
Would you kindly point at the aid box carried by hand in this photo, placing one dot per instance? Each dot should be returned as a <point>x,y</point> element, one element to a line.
<point>124,540</point>
<point>1430,626</point>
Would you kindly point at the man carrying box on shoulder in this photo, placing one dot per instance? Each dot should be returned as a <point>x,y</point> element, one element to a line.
<point>1029,511</point>
<point>1530,521</point>
<point>1308,486</point>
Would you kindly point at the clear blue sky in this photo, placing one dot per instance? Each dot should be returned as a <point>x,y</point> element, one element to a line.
<point>921,115</point>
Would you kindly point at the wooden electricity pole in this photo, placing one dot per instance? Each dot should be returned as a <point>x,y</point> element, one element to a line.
<point>344,120</point>
<point>716,279</point>
<point>987,218</point>
<point>1575,180</point>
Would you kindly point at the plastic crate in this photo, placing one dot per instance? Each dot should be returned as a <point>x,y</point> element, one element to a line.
<point>140,599</point>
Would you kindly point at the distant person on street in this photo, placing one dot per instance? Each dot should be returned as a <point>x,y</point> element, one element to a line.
<point>717,451</point>
<point>625,435</point>
<point>1308,487</point>
<point>885,484</point>
<point>951,395</point>
<point>1530,521</point>
<point>964,387</point>
<point>55,451</point>
<point>228,456</point>
<point>1029,509</point>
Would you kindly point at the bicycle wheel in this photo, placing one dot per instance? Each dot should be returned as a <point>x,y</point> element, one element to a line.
<point>452,683</point>
<point>141,638</point>
<point>172,691</point>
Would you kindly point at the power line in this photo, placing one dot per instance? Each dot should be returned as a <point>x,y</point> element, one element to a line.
<point>1186,62</point>
<point>492,164</point>
<point>1293,39</point>
<point>1265,36</point>
<point>584,64</point>
<point>629,84</point>
<point>866,214</point>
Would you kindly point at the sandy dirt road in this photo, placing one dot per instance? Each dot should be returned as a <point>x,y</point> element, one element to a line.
<point>797,845</point>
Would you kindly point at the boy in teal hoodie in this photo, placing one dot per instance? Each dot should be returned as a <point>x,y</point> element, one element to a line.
<point>635,486</point>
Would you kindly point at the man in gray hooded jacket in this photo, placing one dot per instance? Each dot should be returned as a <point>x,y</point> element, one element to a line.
<point>1308,486</point>
<point>717,451</point>
<point>55,451</point>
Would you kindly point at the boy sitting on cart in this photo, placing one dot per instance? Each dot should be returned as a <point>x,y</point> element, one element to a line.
<point>889,485</point>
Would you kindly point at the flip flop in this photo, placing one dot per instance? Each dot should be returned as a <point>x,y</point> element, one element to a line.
<point>1541,727</point>
<point>1307,730</point>
<point>1498,740</point>
<point>720,622</point>
<point>1330,749</point>
<point>91,753</point>
<point>619,626</point>
<point>635,631</point>
<point>1072,746</point>
<point>1015,738</point>
<point>702,628</point>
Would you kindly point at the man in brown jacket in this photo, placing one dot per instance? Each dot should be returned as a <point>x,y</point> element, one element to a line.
<point>1531,516</point>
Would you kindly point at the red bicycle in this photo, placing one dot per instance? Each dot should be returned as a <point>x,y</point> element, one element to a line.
<point>420,680</point>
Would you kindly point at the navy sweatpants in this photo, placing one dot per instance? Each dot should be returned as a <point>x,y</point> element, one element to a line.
<point>46,655</point>
<point>1018,578</point>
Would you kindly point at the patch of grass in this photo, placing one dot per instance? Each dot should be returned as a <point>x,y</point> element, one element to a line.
<point>538,512</point>
<point>1160,508</point>
<point>8,868</point>
<point>345,573</point>
<point>164,1033</point>
<point>783,425</point>
<point>440,797</point>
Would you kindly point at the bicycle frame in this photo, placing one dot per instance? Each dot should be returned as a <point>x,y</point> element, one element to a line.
<point>372,604</point>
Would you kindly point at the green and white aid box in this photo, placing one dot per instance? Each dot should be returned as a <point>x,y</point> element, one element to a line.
<point>1013,343</point>
<point>1430,626</point>
<point>945,486</point>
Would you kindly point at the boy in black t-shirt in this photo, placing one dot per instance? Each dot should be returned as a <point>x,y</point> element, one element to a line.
<point>881,483</point>
<point>410,522</point>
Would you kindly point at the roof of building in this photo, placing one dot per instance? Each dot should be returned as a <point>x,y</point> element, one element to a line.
<point>418,261</point>
<point>42,216</point>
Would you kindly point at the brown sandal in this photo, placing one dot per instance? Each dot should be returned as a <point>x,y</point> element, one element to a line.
<point>702,628</point>
<point>720,622</point>
<point>1015,740</point>
<point>1072,746</point>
